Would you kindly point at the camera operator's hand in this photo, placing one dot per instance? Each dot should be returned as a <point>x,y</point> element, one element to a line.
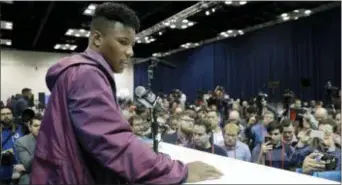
<point>311,164</point>
<point>266,147</point>
<point>199,171</point>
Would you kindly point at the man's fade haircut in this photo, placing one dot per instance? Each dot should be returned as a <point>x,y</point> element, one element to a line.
<point>113,12</point>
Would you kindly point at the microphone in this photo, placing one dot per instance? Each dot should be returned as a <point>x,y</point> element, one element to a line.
<point>148,99</point>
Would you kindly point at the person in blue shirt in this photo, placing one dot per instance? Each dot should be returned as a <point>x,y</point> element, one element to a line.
<point>234,147</point>
<point>258,130</point>
<point>274,152</point>
<point>10,132</point>
<point>201,138</point>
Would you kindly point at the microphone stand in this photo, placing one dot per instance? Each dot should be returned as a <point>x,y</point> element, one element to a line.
<point>154,128</point>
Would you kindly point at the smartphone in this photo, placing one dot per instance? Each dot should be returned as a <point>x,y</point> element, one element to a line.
<point>317,134</point>
<point>268,139</point>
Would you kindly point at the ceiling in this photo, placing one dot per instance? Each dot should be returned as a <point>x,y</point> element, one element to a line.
<point>39,26</point>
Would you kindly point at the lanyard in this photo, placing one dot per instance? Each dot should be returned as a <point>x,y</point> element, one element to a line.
<point>282,156</point>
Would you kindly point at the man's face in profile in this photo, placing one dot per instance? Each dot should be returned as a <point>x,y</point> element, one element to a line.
<point>116,45</point>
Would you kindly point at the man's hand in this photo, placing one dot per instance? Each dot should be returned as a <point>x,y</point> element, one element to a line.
<point>311,163</point>
<point>266,147</point>
<point>199,171</point>
<point>19,168</point>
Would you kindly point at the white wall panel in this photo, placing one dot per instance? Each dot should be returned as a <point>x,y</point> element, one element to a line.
<point>21,69</point>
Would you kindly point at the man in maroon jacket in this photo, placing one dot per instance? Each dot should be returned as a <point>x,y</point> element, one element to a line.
<point>84,139</point>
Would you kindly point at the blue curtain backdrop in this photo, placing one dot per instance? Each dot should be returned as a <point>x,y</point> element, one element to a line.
<point>307,48</point>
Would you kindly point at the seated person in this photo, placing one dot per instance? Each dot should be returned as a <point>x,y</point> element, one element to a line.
<point>274,152</point>
<point>183,135</point>
<point>201,138</point>
<point>25,147</point>
<point>139,127</point>
<point>235,148</point>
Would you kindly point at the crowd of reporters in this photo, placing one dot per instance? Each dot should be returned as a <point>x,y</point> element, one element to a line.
<point>303,137</point>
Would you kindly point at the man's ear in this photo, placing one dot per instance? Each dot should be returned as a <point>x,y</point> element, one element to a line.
<point>96,38</point>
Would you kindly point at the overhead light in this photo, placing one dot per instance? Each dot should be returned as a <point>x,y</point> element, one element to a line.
<point>160,33</point>
<point>65,47</point>
<point>284,15</point>
<point>286,18</point>
<point>145,40</point>
<point>307,12</point>
<point>156,54</point>
<point>6,42</point>
<point>6,25</point>
<point>180,24</point>
<point>231,33</point>
<point>189,45</point>
<point>184,14</point>
<point>77,33</point>
<point>295,14</point>
<point>90,10</point>
<point>213,9</point>
<point>207,13</point>
<point>235,3</point>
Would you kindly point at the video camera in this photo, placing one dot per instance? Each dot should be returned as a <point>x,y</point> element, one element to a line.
<point>176,93</point>
<point>260,101</point>
<point>330,161</point>
<point>332,93</point>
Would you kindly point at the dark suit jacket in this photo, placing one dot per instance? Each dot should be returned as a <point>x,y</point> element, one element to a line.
<point>25,147</point>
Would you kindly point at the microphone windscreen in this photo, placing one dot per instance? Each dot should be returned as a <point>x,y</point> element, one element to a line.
<point>140,91</point>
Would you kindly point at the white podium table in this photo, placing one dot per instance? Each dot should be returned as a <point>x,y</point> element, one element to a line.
<point>239,172</point>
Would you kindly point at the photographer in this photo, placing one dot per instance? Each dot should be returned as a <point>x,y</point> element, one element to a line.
<point>274,152</point>
<point>10,132</point>
<point>220,100</point>
<point>325,144</point>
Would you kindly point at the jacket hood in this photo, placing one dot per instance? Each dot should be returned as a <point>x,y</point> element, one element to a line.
<point>89,56</point>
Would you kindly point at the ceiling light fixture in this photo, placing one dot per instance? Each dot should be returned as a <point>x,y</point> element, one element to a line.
<point>6,25</point>
<point>180,24</point>
<point>231,33</point>
<point>65,47</point>
<point>90,10</point>
<point>77,33</point>
<point>295,14</point>
<point>235,3</point>
<point>189,45</point>
<point>6,42</point>
<point>184,14</point>
<point>145,40</point>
